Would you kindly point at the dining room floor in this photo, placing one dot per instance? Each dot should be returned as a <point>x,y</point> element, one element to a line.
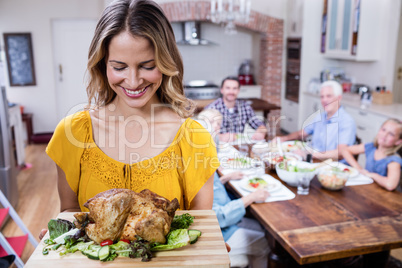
<point>39,201</point>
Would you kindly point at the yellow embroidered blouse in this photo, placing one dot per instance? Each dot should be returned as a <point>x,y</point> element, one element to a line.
<point>178,172</point>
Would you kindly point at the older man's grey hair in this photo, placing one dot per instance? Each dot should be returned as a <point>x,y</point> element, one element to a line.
<point>336,87</point>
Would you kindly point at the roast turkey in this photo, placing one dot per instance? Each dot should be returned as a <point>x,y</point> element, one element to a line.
<point>122,214</point>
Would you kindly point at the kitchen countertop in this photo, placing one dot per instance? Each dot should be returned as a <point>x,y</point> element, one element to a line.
<point>353,100</point>
<point>256,104</point>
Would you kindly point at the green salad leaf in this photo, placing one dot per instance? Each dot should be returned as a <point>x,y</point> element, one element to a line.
<point>181,221</point>
<point>257,180</point>
<point>175,239</point>
<point>58,227</point>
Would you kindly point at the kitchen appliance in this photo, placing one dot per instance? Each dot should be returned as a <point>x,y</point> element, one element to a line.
<point>8,163</point>
<point>8,167</point>
<point>293,62</point>
<point>192,35</point>
<point>359,89</point>
<point>246,71</point>
<point>201,90</point>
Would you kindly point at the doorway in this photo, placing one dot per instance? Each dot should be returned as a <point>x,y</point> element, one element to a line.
<point>71,41</point>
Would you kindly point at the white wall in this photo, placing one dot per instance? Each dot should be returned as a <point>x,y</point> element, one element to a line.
<point>215,62</point>
<point>35,17</point>
<point>273,8</point>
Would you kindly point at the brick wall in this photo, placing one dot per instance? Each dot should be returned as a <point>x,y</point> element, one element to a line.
<point>271,46</point>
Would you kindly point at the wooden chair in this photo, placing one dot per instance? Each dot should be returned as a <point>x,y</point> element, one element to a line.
<point>14,245</point>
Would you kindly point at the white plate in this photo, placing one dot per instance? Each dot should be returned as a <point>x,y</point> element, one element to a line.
<point>260,148</point>
<point>242,138</point>
<point>273,184</point>
<point>352,171</point>
<point>289,146</point>
<point>225,147</point>
<point>237,163</point>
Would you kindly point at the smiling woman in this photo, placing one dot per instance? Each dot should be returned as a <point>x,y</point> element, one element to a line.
<point>137,135</point>
<point>132,74</point>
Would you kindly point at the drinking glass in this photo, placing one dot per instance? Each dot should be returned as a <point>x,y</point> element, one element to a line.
<point>271,131</point>
<point>243,150</point>
<point>259,167</point>
<point>303,185</point>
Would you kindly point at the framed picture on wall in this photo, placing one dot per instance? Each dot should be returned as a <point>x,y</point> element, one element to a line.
<point>20,61</point>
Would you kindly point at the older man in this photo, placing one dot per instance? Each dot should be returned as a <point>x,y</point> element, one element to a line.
<point>236,113</point>
<point>330,129</point>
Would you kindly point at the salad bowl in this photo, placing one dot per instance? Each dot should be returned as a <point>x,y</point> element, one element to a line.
<point>293,170</point>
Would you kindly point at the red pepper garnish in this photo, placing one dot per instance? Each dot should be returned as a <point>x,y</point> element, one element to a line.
<point>254,185</point>
<point>107,242</point>
<point>125,240</point>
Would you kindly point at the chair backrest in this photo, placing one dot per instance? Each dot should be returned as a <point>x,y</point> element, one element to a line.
<point>357,141</point>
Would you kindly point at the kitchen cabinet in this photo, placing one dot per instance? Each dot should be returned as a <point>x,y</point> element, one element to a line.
<point>367,123</point>
<point>312,105</point>
<point>367,126</point>
<point>351,29</point>
<point>289,116</point>
<point>247,92</point>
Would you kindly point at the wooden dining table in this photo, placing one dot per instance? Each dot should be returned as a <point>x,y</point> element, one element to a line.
<point>329,225</point>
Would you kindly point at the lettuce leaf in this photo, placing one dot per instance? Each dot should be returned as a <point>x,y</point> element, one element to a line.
<point>175,239</point>
<point>58,227</point>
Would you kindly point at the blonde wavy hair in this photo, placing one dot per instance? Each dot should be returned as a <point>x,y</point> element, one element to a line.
<point>142,18</point>
<point>396,148</point>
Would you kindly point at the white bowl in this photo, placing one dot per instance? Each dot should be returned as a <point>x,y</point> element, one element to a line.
<point>290,177</point>
<point>270,159</point>
<point>260,148</point>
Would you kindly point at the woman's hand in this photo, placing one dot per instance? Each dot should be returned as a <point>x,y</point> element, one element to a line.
<point>42,233</point>
<point>258,196</point>
<point>227,247</point>
<point>237,175</point>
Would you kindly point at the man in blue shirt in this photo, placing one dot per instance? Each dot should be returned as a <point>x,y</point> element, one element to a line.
<point>330,129</point>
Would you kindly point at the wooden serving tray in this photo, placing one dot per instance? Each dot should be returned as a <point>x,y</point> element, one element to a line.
<point>208,251</point>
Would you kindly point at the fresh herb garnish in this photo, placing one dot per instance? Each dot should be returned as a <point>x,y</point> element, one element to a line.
<point>181,221</point>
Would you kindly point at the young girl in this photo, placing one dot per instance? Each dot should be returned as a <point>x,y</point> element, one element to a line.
<point>383,164</point>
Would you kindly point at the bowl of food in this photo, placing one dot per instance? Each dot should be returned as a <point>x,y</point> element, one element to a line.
<point>272,158</point>
<point>290,171</point>
<point>332,179</point>
<point>260,148</point>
